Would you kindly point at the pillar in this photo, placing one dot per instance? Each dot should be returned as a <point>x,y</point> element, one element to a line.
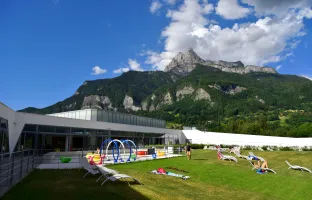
<point>67,143</point>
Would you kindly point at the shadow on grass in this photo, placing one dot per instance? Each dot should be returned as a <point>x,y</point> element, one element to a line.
<point>69,184</point>
<point>200,159</point>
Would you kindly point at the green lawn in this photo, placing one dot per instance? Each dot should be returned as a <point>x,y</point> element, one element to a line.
<point>210,179</point>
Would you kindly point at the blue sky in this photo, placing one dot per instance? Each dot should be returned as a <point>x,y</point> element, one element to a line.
<point>49,47</point>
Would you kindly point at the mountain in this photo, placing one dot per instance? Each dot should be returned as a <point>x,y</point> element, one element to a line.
<point>123,92</point>
<point>214,95</point>
<point>217,88</point>
<point>183,63</point>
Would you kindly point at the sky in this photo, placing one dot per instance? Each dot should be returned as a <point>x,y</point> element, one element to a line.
<point>48,48</point>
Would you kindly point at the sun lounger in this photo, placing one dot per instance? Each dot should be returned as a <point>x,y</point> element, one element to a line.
<point>86,165</point>
<point>251,154</point>
<point>266,169</point>
<point>226,157</point>
<point>239,155</point>
<point>296,167</point>
<point>213,148</point>
<point>235,149</point>
<point>120,177</point>
<point>106,172</point>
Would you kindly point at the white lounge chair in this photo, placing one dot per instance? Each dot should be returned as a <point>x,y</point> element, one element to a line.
<point>213,148</point>
<point>253,155</point>
<point>86,165</point>
<point>296,167</point>
<point>119,177</point>
<point>116,176</point>
<point>266,169</point>
<point>237,153</point>
<point>226,157</point>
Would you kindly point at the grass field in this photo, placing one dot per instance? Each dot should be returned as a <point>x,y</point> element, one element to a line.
<point>210,179</point>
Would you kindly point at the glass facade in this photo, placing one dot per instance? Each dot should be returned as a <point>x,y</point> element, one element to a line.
<point>4,135</point>
<point>113,117</point>
<point>51,138</point>
<point>122,118</point>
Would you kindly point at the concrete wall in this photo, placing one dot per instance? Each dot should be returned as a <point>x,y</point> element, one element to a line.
<point>199,137</point>
<point>9,114</point>
<point>17,120</point>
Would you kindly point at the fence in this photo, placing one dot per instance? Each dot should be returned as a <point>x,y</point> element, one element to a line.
<point>14,167</point>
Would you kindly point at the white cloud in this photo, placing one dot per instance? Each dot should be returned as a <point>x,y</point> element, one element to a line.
<point>306,12</point>
<point>306,76</point>
<point>121,70</point>
<point>207,8</point>
<point>171,2</point>
<point>276,7</point>
<point>301,33</point>
<point>155,6</point>
<point>230,9</point>
<point>96,70</point>
<point>278,67</point>
<point>134,65</point>
<point>268,39</point>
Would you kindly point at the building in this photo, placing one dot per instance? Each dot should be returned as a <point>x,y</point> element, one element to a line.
<point>76,130</point>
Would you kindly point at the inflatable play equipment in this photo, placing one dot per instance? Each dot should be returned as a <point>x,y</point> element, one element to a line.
<point>95,159</point>
<point>160,153</point>
<point>65,159</point>
<point>142,152</point>
<point>116,149</point>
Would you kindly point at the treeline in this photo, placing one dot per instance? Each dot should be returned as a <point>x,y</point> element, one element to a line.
<point>270,123</point>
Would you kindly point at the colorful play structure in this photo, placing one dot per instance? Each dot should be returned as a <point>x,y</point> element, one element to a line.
<point>118,146</point>
<point>65,159</point>
<point>119,152</point>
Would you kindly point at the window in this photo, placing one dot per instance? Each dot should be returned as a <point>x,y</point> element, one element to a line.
<point>3,123</point>
<point>46,129</point>
<point>4,136</point>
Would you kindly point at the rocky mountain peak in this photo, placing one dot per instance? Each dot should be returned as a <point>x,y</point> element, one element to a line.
<point>183,63</point>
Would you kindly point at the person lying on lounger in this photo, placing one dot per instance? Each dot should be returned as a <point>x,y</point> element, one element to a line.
<point>263,166</point>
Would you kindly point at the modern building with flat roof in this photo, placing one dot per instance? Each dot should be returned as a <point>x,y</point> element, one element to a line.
<point>80,129</point>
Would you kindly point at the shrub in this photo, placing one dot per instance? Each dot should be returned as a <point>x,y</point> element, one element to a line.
<point>265,148</point>
<point>248,147</point>
<point>197,146</point>
<point>274,148</point>
<point>306,148</point>
<point>286,149</point>
<point>226,146</point>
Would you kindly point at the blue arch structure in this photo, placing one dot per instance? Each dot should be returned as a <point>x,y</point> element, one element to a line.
<point>126,141</point>
<point>117,148</point>
<point>136,150</point>
<point>114,147</point>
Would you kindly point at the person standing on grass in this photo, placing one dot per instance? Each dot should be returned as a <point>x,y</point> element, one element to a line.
<point>188,151</point>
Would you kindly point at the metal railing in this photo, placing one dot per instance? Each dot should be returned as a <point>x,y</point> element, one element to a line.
<point>14,167</point>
